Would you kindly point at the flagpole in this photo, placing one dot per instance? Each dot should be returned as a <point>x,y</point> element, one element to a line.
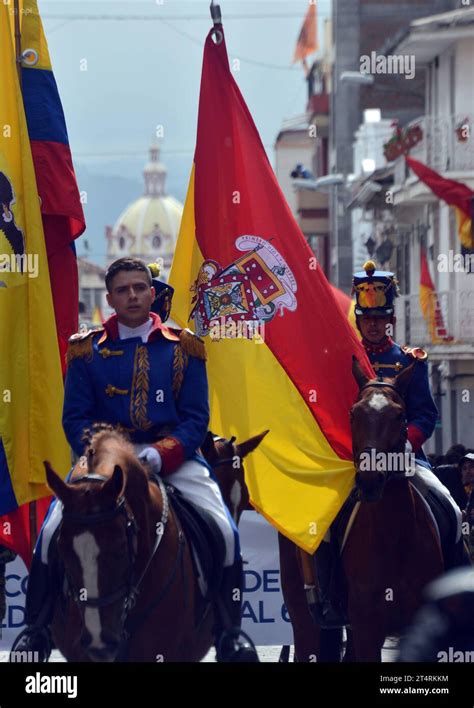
<point>216,16</point>
<point>16,10</point>
<point>32,506</point>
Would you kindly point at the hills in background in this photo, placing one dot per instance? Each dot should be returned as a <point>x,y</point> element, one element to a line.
<point>110,188</point>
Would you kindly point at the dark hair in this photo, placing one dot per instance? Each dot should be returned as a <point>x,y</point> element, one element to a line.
<point>126,263</point>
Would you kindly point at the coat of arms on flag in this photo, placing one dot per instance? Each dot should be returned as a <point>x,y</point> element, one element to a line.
<point>251,289</point>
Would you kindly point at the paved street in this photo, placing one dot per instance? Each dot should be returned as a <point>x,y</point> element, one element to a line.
<point>267,654</point>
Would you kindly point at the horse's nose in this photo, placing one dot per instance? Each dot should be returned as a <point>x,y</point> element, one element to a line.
<point>107,653</point>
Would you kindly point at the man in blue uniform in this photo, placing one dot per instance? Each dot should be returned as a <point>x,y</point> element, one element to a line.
<point>148,380</point>
<point>375,292</point>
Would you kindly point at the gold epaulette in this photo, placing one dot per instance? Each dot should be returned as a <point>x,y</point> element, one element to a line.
<point>415,352</point>
<point>192,345</point>
<point>80,345</point>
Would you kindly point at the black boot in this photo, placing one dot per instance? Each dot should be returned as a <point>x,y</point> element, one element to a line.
<point>330,606</point>
<point>34,643</point>
<point>232,644</point>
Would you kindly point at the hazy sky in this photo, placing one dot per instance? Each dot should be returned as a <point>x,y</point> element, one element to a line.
<point>141,73</point>
<point>146,72</point>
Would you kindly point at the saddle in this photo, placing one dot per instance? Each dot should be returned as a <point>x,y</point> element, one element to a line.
<point>437,506</point>
<point>207,545</point>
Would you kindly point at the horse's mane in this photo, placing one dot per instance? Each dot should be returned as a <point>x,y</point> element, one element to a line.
<point>105,443</point>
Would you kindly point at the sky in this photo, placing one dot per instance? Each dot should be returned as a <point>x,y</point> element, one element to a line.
<point>121,78</point>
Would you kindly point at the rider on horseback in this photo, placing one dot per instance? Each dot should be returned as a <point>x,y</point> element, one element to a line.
<point>149,381</point>
<point>374,310</point>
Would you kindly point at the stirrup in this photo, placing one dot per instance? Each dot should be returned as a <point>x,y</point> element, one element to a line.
<point>33,644</point>
<point>240,647</point>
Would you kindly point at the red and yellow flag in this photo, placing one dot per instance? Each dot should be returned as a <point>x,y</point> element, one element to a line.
<point>307,42</point>
<point>279,345</point>
<point>456,194</point>
<point>429,304</point>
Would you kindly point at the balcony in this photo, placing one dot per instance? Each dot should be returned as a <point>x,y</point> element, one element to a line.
<point>457,308</point>
<point>441,148</point>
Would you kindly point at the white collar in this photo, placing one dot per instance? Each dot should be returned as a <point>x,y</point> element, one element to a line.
<point>142,330</point>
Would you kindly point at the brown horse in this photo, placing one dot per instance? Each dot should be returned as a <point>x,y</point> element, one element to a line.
<point>386,577</point>
<point>393,550</point>
<point>132,590</point>
<point>226,458</point>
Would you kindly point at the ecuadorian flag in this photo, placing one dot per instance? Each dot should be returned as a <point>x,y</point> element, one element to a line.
<point>31,390</point>
<point>279,346</point>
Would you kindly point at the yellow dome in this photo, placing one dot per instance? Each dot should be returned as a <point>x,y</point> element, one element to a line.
<point>148,228</point>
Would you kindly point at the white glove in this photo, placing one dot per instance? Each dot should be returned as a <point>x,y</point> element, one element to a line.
<point>152,457</point>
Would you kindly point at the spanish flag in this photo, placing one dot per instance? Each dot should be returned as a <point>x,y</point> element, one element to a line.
<point>31,390</point>
<point>429,304</point>
<point>307,42</point>
<point>456,194</point>
<point>279,346</point>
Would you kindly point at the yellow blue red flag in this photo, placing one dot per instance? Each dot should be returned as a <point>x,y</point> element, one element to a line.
<point>31,390</point>
<point>279,345</point>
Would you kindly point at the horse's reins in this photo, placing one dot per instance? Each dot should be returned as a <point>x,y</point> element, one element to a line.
<point>400,445</point>
<point>129,591</point>
<point>225,460</point>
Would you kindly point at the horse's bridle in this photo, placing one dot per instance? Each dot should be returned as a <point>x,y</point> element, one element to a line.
<point>230,452</point>
<point>129,591</point>
<point>400,445</point>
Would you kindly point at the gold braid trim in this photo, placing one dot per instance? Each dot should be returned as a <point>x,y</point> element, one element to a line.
<point>415,352</point>
<point>140,388</point>
<point>180,362</point>
<point>192,345</point>
<point>80,346</point>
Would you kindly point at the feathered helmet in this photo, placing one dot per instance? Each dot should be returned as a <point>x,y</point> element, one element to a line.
<point>164,293</point>
<point>375,291</point>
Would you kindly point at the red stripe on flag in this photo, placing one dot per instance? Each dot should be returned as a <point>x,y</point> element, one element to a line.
<point>452,192</point>
<point>15,528</point>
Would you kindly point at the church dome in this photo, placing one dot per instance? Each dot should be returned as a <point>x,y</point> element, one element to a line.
<point>148,228</point>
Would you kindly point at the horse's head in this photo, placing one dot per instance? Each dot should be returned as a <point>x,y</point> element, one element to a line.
<point>97,543</point>
<point>226,459</point>
<point>379,430</point>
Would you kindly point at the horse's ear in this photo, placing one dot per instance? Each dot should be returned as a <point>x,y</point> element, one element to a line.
<point>403,379</point>
<point>357,372</point>
<point>244,448</point>
<point>208,448</point>
<point>113,488</point>
<point>59,488</point>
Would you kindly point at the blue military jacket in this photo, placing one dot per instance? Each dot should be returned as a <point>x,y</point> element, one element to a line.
<point>389,359</point>
<point>154,391</point>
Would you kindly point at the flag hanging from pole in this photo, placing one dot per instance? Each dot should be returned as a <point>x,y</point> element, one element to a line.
<point>429,304</point>
<point>307,42</point>
<point>31,391</point>
<point>279,346</point>
<point>456,194</point>
<point>61,208</point>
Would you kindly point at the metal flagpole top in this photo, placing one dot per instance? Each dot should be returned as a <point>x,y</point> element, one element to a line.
<point>217,20</point>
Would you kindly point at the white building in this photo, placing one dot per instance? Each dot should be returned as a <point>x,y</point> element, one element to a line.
<point>370,138</point>
<point>148,228</point>
<point>444,46</point>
